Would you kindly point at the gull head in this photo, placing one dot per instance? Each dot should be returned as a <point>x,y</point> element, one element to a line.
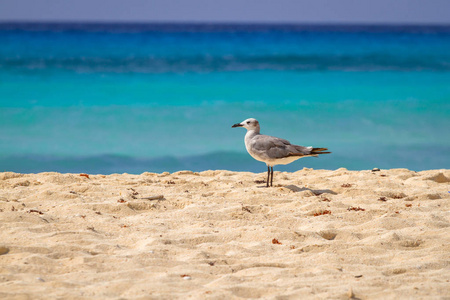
<point>249,124</point>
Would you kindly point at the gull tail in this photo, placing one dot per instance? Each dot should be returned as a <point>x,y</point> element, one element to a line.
<point>319,151</point>
<point>308,151</point>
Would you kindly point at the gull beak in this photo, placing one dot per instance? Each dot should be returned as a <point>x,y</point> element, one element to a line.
<point>236,125</point>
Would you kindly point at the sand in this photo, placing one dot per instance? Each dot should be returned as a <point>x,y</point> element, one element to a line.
<point>317,234</point>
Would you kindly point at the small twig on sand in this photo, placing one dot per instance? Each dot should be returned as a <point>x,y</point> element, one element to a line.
<point>157,197</point>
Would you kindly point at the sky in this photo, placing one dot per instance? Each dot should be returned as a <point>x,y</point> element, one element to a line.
<point>219,11</point>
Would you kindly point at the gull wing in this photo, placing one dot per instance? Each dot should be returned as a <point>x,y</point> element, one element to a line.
<point>273,147</point>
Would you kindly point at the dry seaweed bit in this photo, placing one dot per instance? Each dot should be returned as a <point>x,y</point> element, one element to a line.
<point>325,212</point>
<point>121,200</point>
<point>98,213</point>
<point>276,242</point>
<point>260,181</point>
<point>124,226</point>
<point>325,200</point>
<point>346,185</point>
<point>382,199</point>
<point>383,175</point>
<point>246,208</point>
<point>134,193</point>
<point>84,175</point>
<point>35,211</point>
<point>408,205</point>
<point>355,208</point>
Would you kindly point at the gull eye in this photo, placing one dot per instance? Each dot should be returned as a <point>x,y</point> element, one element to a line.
<point>248,122</point>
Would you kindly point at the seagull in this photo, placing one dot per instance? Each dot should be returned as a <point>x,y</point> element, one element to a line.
<point>272,150</point>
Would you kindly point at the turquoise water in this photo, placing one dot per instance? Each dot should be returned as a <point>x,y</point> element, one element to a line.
<point>134,98</point>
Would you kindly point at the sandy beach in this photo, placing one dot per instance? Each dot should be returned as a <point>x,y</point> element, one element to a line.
<point>317,234</point>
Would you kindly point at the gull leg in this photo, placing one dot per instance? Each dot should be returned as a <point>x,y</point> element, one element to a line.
<point>268,175</point>
<point>271,176</point>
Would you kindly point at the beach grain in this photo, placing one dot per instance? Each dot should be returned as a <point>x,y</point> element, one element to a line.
<point>317,234</point>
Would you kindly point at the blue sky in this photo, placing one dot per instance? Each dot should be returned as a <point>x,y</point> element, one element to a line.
<point>272,11</point>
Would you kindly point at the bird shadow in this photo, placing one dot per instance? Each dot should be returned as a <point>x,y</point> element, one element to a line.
<point>264,186</point>
<point>297,189</point>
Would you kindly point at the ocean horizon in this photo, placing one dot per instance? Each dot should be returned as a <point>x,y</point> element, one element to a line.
<point>106,98</point>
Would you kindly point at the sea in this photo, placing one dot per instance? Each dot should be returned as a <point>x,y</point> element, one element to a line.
<point>131,98</point>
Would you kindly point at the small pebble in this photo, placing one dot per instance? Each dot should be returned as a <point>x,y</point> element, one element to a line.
<point>3,250</point>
